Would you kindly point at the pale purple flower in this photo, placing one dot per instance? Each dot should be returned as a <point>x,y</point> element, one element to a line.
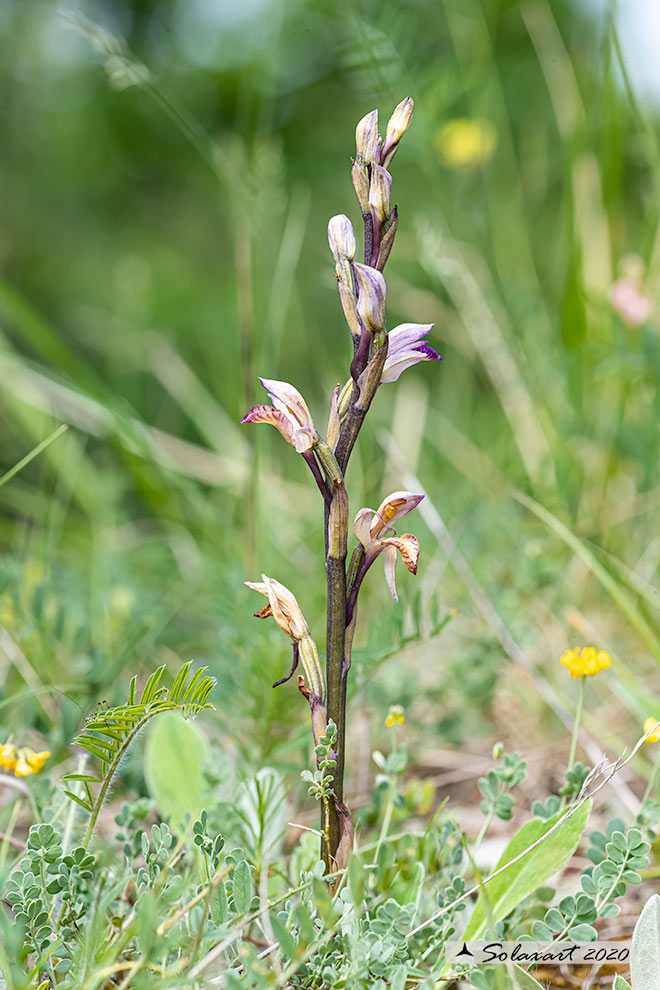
<point>380,192</point>
<point>341,237</point>
<point>397,126</point>
<point>369,526</point>
<point>288,414</point>
<point>372,291</point>
<point>407,347</point>
<point>367,141</point>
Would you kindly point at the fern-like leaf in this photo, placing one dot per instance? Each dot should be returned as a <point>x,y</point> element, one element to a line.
<point>108,734</point>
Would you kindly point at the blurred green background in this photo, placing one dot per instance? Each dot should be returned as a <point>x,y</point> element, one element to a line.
<point>168,170</point>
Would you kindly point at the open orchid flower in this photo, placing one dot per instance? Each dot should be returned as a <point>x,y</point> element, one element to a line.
<point>286,611</point>
<point>369,526</point>
<point>288,414</point>
<point>407,347</point>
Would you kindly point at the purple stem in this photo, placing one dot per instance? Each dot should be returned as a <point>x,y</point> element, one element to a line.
<point>361,355</point>
<point>308,455</point>
<point>368,237</point>
<point>352,598</point>
<point>377,229</point>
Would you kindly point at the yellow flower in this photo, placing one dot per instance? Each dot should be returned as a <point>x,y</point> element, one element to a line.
<point>22,767</point>
<point>395,716</point>
<point>36,760</point>
<point>466,143</point>
<point>652,723</point>
<point>22,761</point>
<point>586,662</point>
<point>7,756</point>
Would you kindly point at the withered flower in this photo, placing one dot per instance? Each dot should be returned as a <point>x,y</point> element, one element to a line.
<point>286,611</point>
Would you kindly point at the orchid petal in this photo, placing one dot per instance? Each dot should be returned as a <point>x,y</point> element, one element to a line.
<point>372,291</point>
<point>277,418</point>
<point>408,547</point>
<point>304,439</point>
<point>288,399</point>
<point>393,368</point>
<point>362,527</point>
<point>286,610</point>
<point>407,334</point>
<point>407,347</point>
<point>393,507</point>
<point>389,560</point>
<point>284,607</point>
<point>257,586</point>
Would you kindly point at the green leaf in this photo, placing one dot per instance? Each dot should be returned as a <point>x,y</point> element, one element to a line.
<point>261,803</point>
<point>356,879</point>
<point>582,933</point>
<point>242,887</point>
<point>150,688</point>
<point>645,956</point>
<point>508,889</point>
<point>179,681</point>
<point>219,911</point>
<point>81,776</point>
<point>286,940</point>
<point>78,800</point>
<point>524,980</point>
<point>620,983</point>
<point>174,756</point>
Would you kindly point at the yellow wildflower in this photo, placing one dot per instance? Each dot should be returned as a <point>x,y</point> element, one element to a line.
<point>22,761</point>
<point>36,760</point>
<point>22,768</point>
<point>7,756</point>
<point>395,716</point>
<point>586,662</point>
<point>652,723</point>
<point>465,142</point>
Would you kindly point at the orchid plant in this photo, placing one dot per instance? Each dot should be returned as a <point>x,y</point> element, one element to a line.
<point>379,357</point>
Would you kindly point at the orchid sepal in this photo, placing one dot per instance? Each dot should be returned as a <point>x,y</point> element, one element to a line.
<point>288,414</point>
<point>407,347</point>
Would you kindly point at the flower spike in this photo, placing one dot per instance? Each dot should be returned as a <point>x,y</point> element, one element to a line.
<point>288,414</point>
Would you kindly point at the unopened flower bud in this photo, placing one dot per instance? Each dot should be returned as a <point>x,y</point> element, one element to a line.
<point>372,291</point>
<point>387,239</point>
<point>345,398</point>
<point>334,422</point>
<point>360,179</point>
<point>349,306</point>
<point>341,238</point>
<point>397,126</point>
<point>366,139</point>
<point>380,192</point>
